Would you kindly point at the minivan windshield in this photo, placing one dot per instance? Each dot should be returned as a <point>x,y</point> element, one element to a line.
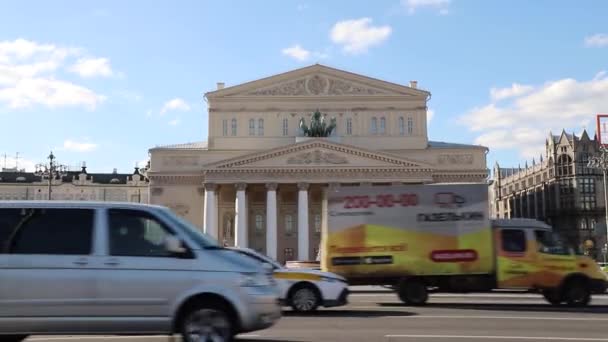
<point>202,240</point>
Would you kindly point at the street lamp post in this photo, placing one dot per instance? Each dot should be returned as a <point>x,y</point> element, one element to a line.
<point>601,162</point>
<point>51,171</point>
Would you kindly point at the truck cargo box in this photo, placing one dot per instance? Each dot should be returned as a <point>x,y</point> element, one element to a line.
<point>393,231</point>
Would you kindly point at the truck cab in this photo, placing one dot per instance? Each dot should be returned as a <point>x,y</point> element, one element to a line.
<point>530,255</point>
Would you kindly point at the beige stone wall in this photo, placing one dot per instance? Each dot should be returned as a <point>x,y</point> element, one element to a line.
<point>184,200</point>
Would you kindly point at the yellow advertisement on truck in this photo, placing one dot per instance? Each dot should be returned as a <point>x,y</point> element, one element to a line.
<point>438,236</point>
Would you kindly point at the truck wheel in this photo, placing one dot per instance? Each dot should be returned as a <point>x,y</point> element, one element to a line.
<point>304,299</point>
<point>206,323</point>
<point>553,297</point>
<point>577,293</point>
<point>413,292</point>
<point>12,338</point>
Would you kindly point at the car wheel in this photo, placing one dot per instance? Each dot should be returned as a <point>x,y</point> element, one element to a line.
<point>12,338</point>
<point>413,292</point>
<point>304,299</point>
<point>208,323</point>
<point>577,293</point>
<point>553,297</point>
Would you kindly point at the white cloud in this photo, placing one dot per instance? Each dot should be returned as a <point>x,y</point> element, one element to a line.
<point>175,104</point>
<point>296,52</point>
<point>175,122</point>
<point>442,6</point>
<point>562,104</point>
<point>597,40</point>
<point>358,35</point>
<point>28,77</point>
<point>92,67</point>
<point>429,115</point>
<point>50,92</point>
<point>515,90</point>
<point>75,146</point>
<point>21,163</point>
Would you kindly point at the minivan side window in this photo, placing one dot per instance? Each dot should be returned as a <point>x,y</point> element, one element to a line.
<point>9,219</point>
<point>47,231</point>
<point>513,240</point>
<point>137,234</point>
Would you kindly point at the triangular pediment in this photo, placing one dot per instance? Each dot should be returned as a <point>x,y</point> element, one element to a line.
<point>317,153</point>
<point>318,80</point>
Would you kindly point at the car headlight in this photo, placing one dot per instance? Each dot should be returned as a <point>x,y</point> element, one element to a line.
<point>256,280</point>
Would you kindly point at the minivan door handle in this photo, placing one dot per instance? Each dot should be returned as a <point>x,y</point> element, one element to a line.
<point>112,262</point>
<point>81,262</point>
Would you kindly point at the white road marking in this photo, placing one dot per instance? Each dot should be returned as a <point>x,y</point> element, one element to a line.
<point>507,317</point>
<point>542,338</point>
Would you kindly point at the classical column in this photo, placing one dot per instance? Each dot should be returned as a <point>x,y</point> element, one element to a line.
<point>303,237</point>
<point>271,220</point>
<point>210,226</point>
<point>536,211</point>
<point>240,219</point>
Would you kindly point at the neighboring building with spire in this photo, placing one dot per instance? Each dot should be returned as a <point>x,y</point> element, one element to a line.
<point>76,186</point>
<point>559,189</point>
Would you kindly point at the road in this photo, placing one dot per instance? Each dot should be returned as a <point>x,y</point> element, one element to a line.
<point>379,316</point>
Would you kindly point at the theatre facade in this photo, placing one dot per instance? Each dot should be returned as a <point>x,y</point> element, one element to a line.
<point>258,179</point>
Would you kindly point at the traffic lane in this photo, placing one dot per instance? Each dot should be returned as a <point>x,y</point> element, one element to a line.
<point>407,324</point>
<point>448,316</point>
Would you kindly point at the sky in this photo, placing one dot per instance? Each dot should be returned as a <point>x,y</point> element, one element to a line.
<point>104,81</point>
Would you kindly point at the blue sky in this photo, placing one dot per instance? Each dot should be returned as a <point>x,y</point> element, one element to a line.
<point>102,82</point>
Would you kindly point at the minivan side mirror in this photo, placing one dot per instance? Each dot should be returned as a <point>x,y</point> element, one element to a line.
<point>174,245</point>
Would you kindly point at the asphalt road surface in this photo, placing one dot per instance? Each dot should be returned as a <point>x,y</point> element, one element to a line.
<point>379,316</point>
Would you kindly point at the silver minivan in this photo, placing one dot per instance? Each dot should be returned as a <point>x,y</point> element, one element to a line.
<point>120,268</point>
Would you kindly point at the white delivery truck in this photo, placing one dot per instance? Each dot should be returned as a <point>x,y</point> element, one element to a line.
<point>418,237</point>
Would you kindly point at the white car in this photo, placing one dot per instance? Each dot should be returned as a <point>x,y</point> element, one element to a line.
<point>304,289</point>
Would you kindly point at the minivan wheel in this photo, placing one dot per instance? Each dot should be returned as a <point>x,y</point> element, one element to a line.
<point>413,292</point>
<point>12,338</point>
<point>304,299</point>
<point>577,293</point>
<point>206,324</point>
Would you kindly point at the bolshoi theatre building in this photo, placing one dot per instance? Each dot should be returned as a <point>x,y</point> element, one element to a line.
<point>258,180</point>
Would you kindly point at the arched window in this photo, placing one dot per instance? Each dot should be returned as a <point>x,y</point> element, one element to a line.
<point>382,125</point>
<point>251,127</point>
<point>260,127</point>
<point>259,222</point>
<point>349,126</point>
<point>289,224</point>
<point>374,126</point>
<point>410,126</point>
<point>233,127</point>
<point>401,126</point>
<point>285,127</point>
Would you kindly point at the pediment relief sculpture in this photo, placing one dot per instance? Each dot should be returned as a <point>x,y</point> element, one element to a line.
<point>317,85</point>
<point>317,157</point>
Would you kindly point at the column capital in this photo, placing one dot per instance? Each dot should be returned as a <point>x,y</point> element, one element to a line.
<point>241,186</point>
<point>272,186</point>
<point>210,186</point>
<point>303,186</point>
